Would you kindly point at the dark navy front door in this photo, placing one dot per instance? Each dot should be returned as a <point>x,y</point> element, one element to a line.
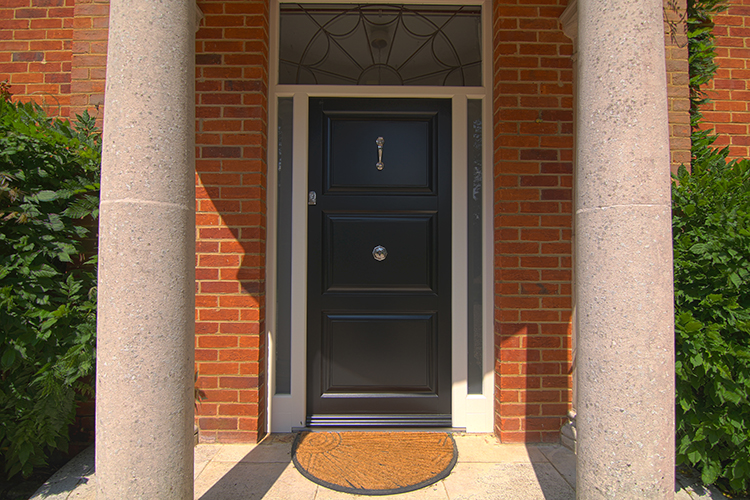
<point>379,262</point>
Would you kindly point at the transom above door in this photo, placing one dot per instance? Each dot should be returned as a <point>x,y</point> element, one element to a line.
<point>380,44</point>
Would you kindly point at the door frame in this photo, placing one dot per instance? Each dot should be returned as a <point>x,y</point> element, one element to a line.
<point>475,412</point>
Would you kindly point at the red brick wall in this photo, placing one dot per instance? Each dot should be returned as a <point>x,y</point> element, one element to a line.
<point>729,113</point>
<point>35,51</point>
<point>55,51</point>
<point>231,111</point>
<point>533,151</point>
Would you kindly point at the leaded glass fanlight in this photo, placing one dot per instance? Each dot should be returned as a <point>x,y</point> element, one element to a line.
<point>335,44</point>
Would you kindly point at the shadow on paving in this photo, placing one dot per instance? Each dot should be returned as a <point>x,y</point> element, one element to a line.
<point>77,474</point>
<point>557,478</point>
<point>249,476</point>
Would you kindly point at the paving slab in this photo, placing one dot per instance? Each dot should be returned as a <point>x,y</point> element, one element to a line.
<point>206,452</point>
<point>270,450</point>
<point>203,455</point>
<point>292,485</point>
<point>510,481</point>
<point>252,481</point>
<point>563,460</point>
<point>485,448</point>
<point>699,491</point>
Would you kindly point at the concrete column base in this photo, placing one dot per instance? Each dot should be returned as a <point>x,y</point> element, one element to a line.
<point>569,434</point>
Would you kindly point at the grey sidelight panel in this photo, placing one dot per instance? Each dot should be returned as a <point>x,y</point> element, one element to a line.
<point>284,249</point>
<point>475,327</point>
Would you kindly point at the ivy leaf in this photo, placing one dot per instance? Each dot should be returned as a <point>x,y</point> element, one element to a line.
<point>46,195</point>
<point>694,456</point>
<point>699,248</point>
<point>736,280</point>
<point>24,451</point>
<point>9,356</point>
<point>710,473</point>
<point>692,326</point>
<point>697,359</point>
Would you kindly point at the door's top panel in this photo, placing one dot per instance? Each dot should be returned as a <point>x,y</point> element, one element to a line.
<point>379,154</point>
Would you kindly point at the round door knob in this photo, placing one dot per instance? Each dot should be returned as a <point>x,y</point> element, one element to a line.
<point>380,253</point>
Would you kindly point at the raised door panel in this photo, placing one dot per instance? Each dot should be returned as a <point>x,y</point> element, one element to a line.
<point>409,245</point>
<point>351,153</point>
<point>379,354</point>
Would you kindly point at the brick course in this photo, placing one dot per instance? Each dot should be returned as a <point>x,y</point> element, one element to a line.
<point>89,57</point>
<point>676,53</point>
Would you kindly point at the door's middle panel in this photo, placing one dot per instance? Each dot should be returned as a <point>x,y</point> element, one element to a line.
<point>376,252</point>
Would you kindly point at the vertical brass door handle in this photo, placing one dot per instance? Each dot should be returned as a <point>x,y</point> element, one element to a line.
<point>380,141</point>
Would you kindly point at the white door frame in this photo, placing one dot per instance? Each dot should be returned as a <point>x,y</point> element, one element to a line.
<point>474,413</point>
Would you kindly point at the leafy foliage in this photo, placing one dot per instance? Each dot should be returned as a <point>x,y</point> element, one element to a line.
<point>711,229</point>
<point>711,224</point>
<point>49,196</point>
<point>702,48</point>
<point>702,67</point>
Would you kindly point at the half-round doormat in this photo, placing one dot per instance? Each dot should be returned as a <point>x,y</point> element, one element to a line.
<point>374,463</point>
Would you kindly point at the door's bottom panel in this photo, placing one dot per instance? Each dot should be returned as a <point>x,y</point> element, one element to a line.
<point>382,354</point>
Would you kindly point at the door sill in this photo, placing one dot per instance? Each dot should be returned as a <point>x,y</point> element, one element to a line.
<point>379,421</point>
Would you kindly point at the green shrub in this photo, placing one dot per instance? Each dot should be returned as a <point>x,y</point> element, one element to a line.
<point>49,196</point>
<point>711,224</point>
<point>711,230</point>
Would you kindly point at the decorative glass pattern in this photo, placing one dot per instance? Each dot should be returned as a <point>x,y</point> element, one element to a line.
<point>335,44</point>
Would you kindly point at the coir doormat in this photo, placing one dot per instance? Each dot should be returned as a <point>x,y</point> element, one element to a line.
<point>374,463</point>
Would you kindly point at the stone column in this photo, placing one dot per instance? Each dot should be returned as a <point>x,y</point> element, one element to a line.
<point>625,343</point>
<point>145,351</point>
